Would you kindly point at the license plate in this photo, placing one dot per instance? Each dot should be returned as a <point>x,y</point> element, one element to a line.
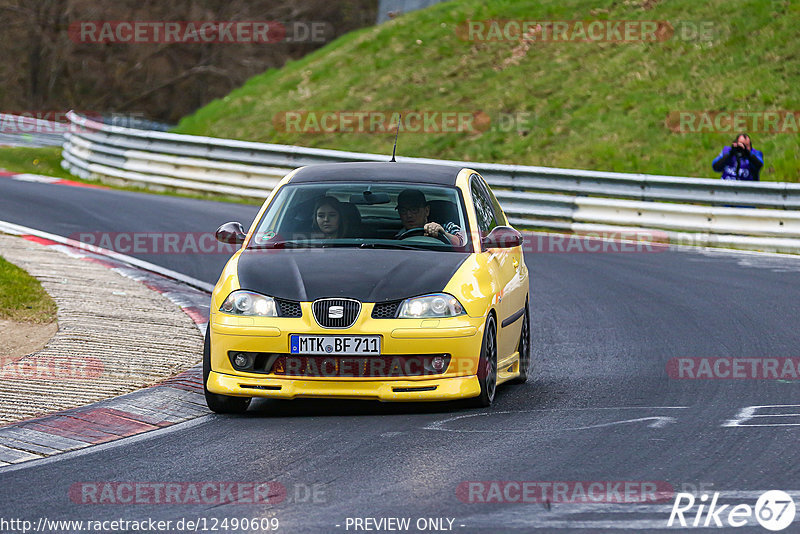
<point>343,345</point>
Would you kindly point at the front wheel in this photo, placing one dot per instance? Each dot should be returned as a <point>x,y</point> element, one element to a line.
<point>219,403</point>
<point>487,365</point>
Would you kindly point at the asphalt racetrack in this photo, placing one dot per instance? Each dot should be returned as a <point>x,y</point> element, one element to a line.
<point>601,406</point>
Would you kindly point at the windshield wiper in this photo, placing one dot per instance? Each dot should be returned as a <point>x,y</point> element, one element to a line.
<point>279,244</point>
<point>401,246</point>
<point>297,244</point>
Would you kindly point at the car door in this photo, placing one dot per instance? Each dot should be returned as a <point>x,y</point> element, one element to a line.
<point>504,264</point>
<point>517,290</point>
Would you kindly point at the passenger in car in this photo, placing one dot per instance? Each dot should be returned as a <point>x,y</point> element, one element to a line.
<point>414,211</point>
<point>329,219</point>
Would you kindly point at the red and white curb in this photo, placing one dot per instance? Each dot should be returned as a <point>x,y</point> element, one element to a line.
<point>40,178</point>
<point>173,401</point>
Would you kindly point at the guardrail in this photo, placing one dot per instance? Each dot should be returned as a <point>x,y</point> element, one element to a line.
<point>18,130</point>
<point>533,197</point>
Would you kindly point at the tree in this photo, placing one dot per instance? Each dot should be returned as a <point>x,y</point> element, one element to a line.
<point>46,67</point>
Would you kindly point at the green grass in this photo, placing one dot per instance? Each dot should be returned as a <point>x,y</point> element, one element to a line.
<point>599,106</point>
<point>22,297</point>
<point>46,161</point>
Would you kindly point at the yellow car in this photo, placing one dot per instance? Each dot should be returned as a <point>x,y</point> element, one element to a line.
<point>383,281</point>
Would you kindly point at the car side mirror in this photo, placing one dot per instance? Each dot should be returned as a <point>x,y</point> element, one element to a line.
<point>502,237</point>
<point>231,233</point>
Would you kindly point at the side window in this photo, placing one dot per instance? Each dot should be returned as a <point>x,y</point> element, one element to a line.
<point>484,208</point>
<point>499,214</point>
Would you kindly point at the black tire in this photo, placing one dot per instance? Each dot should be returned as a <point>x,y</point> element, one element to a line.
<point>524,349</point>
<point>487,365</point>
<point>219,403</point>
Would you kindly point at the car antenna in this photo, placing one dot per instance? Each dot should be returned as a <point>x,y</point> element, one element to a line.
<point>394,149</point>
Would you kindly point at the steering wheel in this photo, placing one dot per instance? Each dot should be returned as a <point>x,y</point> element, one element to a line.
<point>419,231</point>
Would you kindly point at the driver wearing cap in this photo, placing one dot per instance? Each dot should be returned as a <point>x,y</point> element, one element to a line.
<point>414,210</point>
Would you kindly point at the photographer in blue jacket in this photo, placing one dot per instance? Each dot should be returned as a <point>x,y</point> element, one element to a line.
<point>740,161</point>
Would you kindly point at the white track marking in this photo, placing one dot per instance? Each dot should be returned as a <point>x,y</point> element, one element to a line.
<point>749,412</point>
<point>658,421</point>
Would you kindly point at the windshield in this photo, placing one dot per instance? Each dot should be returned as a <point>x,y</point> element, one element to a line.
<point>365,215</point>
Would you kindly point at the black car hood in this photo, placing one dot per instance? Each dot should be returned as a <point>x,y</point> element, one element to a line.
<point>369,275</point>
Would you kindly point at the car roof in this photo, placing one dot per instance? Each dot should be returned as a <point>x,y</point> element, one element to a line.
<point>378,171</point>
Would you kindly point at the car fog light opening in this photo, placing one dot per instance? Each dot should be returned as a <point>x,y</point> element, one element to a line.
<point>436,364</point>
<point>242,361</point>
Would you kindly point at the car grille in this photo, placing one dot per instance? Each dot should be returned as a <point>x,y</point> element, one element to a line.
<point>386,310</point>
<point>328,314</point>
<point>386,366</point>
<point>288,308</point>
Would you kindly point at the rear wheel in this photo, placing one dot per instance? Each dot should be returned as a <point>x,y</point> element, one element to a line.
<point>487,365</point>
<point>216,402</point>
<point>524,349</point>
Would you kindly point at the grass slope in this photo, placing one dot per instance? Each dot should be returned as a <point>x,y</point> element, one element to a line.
<point>592,105</point>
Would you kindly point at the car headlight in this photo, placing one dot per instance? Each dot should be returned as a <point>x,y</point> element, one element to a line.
<point>428,306</point>
<point>248,303</point>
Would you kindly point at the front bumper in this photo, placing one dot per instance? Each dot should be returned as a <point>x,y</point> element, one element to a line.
<point>437,389</point>
<point>460,337</point>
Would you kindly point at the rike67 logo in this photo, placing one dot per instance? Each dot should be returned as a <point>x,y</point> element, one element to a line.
<point>774,510</point>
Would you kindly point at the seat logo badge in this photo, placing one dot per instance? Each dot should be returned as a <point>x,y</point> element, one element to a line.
<point>335,312</point>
